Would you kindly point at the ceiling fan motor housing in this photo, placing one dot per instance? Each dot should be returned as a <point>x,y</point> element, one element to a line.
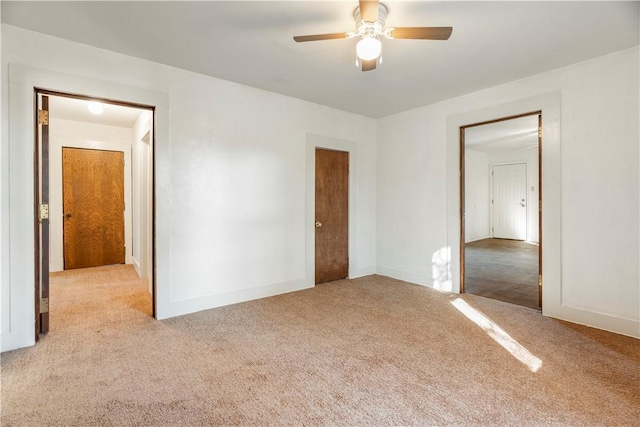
<point>371,29</point>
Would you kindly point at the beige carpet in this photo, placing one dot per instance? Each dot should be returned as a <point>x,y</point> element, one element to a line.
<point>370,351</point>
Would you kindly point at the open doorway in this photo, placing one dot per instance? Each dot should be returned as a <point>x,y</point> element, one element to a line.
<point>500,209</point>
<point>94,213</point>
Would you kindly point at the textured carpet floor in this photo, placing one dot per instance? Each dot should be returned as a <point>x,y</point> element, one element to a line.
<point>370,351</point>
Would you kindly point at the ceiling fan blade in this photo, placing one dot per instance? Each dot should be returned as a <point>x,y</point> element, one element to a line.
<point>424,33</point>
<point>369,64</point>
<point>369,10</point>
<point>321,37</point>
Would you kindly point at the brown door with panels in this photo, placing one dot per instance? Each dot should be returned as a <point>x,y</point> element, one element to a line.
<point>93,201</point>
<point>332,215</point>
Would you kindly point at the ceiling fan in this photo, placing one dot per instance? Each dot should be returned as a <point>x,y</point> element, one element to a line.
<point>370,17</point>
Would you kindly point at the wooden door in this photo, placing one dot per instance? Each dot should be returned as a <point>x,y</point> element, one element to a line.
<point>332,215</point>
<point>510,201</point>
<point>93,202</point>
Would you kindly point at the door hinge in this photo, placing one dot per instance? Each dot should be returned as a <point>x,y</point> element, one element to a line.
<point>44,305</point>
<point>539,132</point>
<point>43,117</point>
<point>540,280</point>
<point>44,211</point>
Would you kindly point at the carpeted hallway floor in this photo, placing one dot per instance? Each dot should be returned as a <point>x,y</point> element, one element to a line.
<point>369,351</point>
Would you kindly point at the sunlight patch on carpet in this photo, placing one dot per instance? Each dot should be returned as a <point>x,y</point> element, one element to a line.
<point>498,335</point>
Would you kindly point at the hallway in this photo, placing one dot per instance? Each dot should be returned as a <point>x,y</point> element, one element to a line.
<point>505,270</point>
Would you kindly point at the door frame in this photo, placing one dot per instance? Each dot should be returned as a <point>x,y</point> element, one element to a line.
<point>316,213</point>
<point>328,143</point>
<point>41,222</point>
<point>492,197</point>
<point>461,166</point>
<point>41,252</point>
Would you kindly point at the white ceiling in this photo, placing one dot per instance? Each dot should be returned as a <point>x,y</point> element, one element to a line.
<point>250,42</point>
<point>514,134</point>
<point>77,110</point>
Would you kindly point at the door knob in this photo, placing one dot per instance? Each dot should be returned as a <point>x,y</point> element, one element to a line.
<point>318,224</point>
<point>67,215</point>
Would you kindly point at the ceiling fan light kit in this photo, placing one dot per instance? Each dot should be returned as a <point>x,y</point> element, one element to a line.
<point>370,17</point>
<point>368,48</point>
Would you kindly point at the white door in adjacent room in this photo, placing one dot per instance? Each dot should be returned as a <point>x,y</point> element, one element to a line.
<point>509,201</point>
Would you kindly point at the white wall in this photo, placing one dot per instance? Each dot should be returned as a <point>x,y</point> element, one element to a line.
<point>69,133</point>
<point>477,195</point>
<point>142,179</point>
<point>232,209</point>
<point>590,188</point>
<point>230,177</point>
<point>530,158</point>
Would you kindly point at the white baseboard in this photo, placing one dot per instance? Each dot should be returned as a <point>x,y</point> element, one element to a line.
<point>406,275</point>
<point>11,340</point>
<point>593,319</point>
<point>193,305</point>
<point>367,270</point>
<point>478,238</point>
<point>136,266</point>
